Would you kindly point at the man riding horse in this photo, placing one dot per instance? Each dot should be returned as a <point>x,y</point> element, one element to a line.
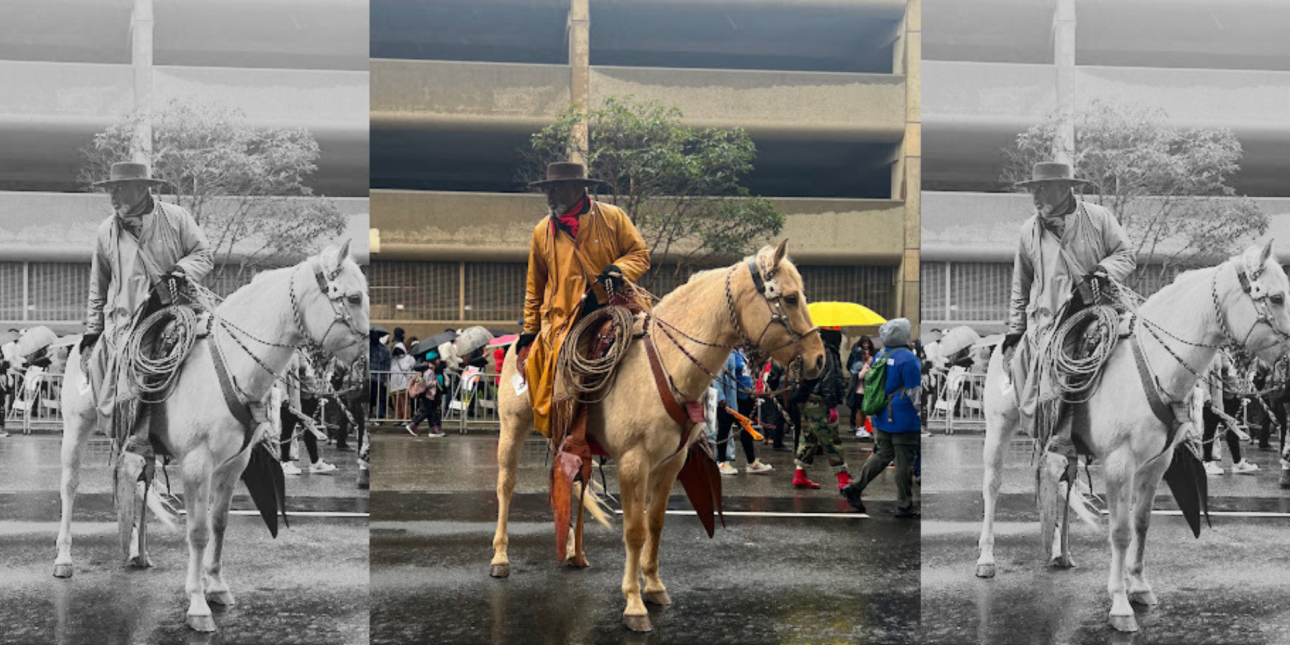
<point>144,254</point>
<point>580,254</point>
<point>1069,249</point>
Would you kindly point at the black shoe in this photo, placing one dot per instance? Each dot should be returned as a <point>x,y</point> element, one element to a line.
<point>345,448</point>
<point>780,448</point>
<point>852,493</point>
<point>907,513</point>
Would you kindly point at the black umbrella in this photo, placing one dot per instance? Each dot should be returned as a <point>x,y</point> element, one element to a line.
<point>426,344</point>
<point>374,330</point>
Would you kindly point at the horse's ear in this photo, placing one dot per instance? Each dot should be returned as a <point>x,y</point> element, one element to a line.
<point>1266,252</point>
<point>780,252</point>
<point>343,252</point>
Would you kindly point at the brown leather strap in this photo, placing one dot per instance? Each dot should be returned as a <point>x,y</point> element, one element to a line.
<point>673,407</point>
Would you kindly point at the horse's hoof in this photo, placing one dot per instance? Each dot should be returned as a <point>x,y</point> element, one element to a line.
<point>499,570</point>
<point>985,570</point>
<point>657,598</point>
<point>1124,623</point>
<point>220,598</point>
<point>639,624</point>
<point>1146,598</point>
<point>201,623</point>
<point>140,562</point>
<point>579,562</point>
<point>1062,562</point>
<point>62,569</point>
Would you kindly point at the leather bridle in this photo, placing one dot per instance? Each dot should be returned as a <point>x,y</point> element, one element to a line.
<point>336,298</point>
<point>768,287</point>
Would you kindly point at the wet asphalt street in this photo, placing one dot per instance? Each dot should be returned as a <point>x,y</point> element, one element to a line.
<point>308,586</point>
<point>1228,586</point>
<point>836,578</point>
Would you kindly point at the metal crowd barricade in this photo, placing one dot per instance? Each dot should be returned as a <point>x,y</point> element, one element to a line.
<point>473,402</point>
<point>37,403</point>
<point>959,401</point>
<point>389,412</point>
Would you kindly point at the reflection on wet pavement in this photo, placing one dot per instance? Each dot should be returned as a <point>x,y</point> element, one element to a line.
<point>1228,586</point>
<point>760,580</point>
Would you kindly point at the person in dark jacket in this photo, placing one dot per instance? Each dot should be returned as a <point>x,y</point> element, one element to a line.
<point>379,364</point>
<point>898,428</point>
<point>820,415</point>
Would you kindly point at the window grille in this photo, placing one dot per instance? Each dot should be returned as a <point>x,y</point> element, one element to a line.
<point>873,286</point>
<point>11,290</point>
<point>931,290</point>
<point>425,290</point>
<point>58,291</point>
<point>979,291</point>
<point>495,291</point>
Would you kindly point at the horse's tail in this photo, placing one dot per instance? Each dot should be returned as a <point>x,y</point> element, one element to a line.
<point>162,509</point>
<point>594,502</point>
<point>1080,501</point>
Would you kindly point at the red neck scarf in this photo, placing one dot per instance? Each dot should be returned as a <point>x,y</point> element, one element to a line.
<point>569,220</point>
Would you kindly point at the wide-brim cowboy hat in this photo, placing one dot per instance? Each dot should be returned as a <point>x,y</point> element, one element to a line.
<point>127,171</point>
<point>1052,171</point>
<point>565,172</point>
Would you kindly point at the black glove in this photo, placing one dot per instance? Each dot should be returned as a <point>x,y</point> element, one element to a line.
<point>168,286</point>
<point>88,340</point>
<point>524,341</point>
<point>1099,285</point>
<point>1011,340</point>
<point>611,278</point>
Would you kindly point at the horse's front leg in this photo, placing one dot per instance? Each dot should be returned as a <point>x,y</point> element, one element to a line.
<point>633,479</point>
<point>575,547</point>
<point>217,590</point>
<point>996,438</point>
<point>509,446</point>
<point>1119,489</point>
<point>197,490</point>
<point>76,434</point>
<point>1148,480</point>
<point>660,487</point>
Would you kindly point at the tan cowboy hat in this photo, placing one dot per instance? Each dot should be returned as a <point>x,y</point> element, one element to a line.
<point>123,171</point>
<point>1046,171</point>
<point>566,171</point>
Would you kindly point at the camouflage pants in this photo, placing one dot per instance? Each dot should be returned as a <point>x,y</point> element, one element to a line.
<point>817,432</point>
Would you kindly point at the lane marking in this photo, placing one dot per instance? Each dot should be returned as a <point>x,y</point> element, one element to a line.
<point>1253,514</point>
<point>291,514</point>
<point>844,516</point>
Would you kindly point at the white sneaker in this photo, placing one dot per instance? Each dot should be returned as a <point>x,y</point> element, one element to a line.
<point>863,434</point>
<point>727,469</point>
<point>290,468</point>
<point>1212,468</point>
<point>758,467</point>
<point>1244,467</point>
<point>321,468</point>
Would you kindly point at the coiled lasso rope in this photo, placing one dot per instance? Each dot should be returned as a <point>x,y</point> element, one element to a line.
<point>586,376</point>
<point>151,377</point>
<point>1074,378</point>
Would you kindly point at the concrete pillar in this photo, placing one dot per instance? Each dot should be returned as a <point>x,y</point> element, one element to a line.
<point>1064,59</point>
<point>141,60</point>
<point>580,71</point>
<point>910,166</point>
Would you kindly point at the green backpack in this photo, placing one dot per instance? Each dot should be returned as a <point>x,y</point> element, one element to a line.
<point>875,386</point>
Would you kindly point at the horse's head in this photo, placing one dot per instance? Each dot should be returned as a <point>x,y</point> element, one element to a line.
<point>1253,311</point>
<point>769,307</point>
<point>332,306</point>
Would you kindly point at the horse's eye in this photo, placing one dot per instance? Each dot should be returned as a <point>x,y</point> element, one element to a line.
<point>791,300</point>
<point>1278,299</point>
<point>356,299</point>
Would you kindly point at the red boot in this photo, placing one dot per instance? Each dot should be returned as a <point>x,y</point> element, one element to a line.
<point>800,480</point>
<point>844,478</point>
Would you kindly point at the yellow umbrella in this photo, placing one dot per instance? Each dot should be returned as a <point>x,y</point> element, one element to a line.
<point>843,314</point>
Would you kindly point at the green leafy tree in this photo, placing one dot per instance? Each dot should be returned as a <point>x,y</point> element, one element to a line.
<point>680,185</point>
<point>1168,185</point>
<point>244,186</point>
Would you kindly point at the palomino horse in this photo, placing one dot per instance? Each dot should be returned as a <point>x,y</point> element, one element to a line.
<point>320,303</point>
<point>632,425</point>
<point>1180,329</point>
